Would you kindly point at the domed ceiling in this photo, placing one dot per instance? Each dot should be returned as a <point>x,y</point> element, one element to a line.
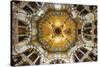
<point>57,31</point>
<point>52,33</point>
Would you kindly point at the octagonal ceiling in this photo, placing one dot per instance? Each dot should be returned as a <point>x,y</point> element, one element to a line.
<point>50,33</point>
<point>57,30</point>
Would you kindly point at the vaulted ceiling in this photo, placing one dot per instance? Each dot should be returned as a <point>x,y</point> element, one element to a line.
<point>50,33</point>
